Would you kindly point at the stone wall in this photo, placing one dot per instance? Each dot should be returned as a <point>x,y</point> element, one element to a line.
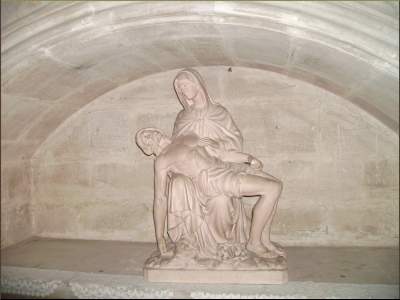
<point>58,57</point>
<point>339,165</point>
<point>16,221</point>
<point>15,202</point>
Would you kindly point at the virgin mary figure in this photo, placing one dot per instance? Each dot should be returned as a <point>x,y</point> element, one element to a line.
<point>214,227</point>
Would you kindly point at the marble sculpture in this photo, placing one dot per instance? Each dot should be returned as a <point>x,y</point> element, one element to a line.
<point>200,175</point>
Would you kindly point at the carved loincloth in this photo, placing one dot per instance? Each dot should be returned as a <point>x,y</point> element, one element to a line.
<point>223,179</point>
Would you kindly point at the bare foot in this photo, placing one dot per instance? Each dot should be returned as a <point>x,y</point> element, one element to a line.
<point>164,251</point>
<point>279,246</point>
<point>261,251</point>
<point>167,254</point>
<point>276,248</point>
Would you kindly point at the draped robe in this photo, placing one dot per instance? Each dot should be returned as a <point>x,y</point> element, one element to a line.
<point>206,225</point>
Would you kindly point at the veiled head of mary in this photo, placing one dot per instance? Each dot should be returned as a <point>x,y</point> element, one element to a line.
<point>190,87</point>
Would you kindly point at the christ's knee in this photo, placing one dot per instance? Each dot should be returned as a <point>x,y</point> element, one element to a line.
<point>272,188</point>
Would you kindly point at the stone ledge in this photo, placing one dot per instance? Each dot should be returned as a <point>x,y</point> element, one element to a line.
<point>216,276</point>
<point>111,269</point>
<point>69,284</point>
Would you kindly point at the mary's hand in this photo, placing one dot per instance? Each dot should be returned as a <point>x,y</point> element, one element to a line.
<point>256,164</point>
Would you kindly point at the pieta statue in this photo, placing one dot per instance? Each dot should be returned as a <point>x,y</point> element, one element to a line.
<point>200,175</point>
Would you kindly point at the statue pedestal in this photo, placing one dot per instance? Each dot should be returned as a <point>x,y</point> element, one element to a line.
<point>186,267</point>
<point>216,276</point>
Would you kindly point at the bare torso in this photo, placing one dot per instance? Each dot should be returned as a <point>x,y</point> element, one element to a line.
<point>186,157</point>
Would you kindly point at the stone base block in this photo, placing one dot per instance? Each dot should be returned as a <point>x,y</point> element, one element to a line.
<point>216,276</point>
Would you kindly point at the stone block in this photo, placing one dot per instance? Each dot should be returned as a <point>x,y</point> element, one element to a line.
<point>49,121</point>
<point>88,48</point>
<point>4,240</point>
<point>64,173</point>
<point>66,82</point>
<point>382,91</point>
<point>387,144</point>
<point>298,223</point>
<point>58,182</point>
<point>56,220</point>
<point>245,85</point>
<point>328,63</point>
<point>258,276</point>
<point>126,67</point>
<point>160,119</point>
<point>4,194</point>
<point>48,79</point>
<point>19,223</point>
<point>30,79</point>
<point>357,143</point>
<point>108,131</point>
<point>296,171</point>
<point>72,146</point>
<point>378,174</point>
<point>274,49</point>
<point>13,11</point>
<point>265,130</point>
<point>290,116</point>
<point>297,198</point>
<point>113,182</point>
<point>296,141</point>
<point>350,174</point>
<point>396,213</point>
<point>122,218</point>
<point>168,53</point>
<point>328,143</point>
<point>362,223</point>
<point>174,30</point>
<point>18,151</point>
<point>381,197</point>
<point>358,186</point>
<point>208,51</point>
<point>337,112</point>
<point>18,114</point>
<point>395,164</point>
<point>88,93</point>
<point>143,91</point>
<point>260,116</point>
<point>370,106</point>
<point>327,175</point>
<point>15,184</point>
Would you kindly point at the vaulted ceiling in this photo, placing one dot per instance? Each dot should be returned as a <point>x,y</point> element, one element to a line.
<point>57,57</point>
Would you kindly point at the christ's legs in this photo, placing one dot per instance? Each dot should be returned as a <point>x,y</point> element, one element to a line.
<point>273,245</point>
<point>263,211</point>
<point>269,223</point>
